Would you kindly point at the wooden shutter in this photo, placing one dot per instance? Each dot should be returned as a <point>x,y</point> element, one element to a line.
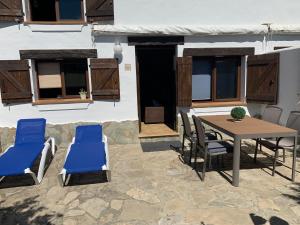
<point>99,10</point>
<point>184,81</point>
<point>11,10</point>
<point>262,78</point>
<point>105,79</point>
<point>15,81</point>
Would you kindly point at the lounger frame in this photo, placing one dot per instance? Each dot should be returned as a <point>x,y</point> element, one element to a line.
<point>49,144</point>
<point>64,178</point>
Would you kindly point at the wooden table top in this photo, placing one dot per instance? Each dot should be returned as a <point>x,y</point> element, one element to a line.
<point>247,128</point>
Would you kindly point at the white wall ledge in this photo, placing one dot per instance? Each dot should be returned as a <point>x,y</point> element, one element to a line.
<point>62,107</point>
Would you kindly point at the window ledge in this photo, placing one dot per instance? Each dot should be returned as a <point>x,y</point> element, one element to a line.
<point>61,101</point>
<point>56,22</point>
<point>217,104</point>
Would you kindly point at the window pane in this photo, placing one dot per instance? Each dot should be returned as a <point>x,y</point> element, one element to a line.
<point>226,78</point>
<point>49,79</point>
<point>43,10</point>
<point>75,76</point>
<point>201,79</point>
<point>70,9</point>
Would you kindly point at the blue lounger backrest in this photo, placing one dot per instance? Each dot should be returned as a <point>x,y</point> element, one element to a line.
<point>30,131</point>
<point>88,134</point>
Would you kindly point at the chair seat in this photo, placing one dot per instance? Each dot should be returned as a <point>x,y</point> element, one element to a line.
<point>18,158</point>
<point>271,144</point>
<point>85,157</point>
<point>208,137</point>
<point>222,147</point>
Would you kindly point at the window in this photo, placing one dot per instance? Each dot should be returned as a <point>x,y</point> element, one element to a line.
<point>56,10</point>
<point>61,79</point>
<point>216,78</point>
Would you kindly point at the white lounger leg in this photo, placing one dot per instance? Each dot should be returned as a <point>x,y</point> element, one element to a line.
<point>32,174</point>
<point>62,177</point>
<point>2,178</point>
<point>38,178</point>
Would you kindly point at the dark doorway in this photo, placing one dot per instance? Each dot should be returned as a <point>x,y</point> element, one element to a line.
<point>156,83</point>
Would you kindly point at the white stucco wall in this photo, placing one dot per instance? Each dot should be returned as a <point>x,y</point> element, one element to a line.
<point>289,82</point>
<point>15,37</point>
<point>204,12</point>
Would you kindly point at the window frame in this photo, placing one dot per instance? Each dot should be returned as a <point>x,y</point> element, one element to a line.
<point>63,96</point>
<point>214,98</point>
<point>57,14</point>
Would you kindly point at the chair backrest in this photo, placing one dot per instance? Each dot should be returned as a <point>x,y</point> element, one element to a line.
<point>88,134</point>
<point>200,132</point>
<point>30,131</point>
<point>186,124</point>
<point>272,114</point>
<point>293,121</point>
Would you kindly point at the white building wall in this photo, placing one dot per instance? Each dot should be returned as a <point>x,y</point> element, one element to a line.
<point>189,12</point>
<point>206,12</point>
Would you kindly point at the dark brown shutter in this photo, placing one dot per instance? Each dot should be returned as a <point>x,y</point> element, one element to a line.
<point>99,10</point>
<point>11,10</point>
<point>105,79</point>
<point>15,81</point>
<point>184,81</point>
<point>262,78</point>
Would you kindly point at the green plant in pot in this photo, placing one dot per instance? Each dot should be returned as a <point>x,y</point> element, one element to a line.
<point>238,113</point>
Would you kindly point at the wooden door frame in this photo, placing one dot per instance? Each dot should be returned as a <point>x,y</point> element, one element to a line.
<point>138,82</point>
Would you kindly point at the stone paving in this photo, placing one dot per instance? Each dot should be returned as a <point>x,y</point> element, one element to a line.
<point>151,185</point>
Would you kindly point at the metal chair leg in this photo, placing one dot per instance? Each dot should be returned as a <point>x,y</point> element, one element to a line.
<point>195,161</point>
<point>182,147</point>
<point>256,148</point>
<point>274,162</point>
<point>283,157</point>
<point>204,166</point>
<point>209,162</point>
<point>191,152</point>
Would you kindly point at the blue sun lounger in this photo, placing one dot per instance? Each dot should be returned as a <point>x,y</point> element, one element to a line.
<point>29,145</point>
<point>87,153</point>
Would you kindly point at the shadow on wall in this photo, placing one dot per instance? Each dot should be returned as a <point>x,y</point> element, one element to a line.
<point>274,220</point>
<point>28,212</point>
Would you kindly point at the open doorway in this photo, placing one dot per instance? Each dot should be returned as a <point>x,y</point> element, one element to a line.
<point>156,89</point>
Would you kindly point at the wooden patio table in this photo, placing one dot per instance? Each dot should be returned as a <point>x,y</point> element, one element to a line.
<point>249,128</point>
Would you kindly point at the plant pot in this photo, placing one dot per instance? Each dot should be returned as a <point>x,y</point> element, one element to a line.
<point>83,96</point>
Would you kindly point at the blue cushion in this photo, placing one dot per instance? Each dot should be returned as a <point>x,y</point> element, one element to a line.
<point>30,131</point>
<point>219,147</point>
<point>19,158</point>
<point>85,157</point>
<point>88,134</point>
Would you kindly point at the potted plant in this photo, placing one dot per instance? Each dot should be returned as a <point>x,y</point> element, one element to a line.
<point>82,94</point>
<point>238,113</point>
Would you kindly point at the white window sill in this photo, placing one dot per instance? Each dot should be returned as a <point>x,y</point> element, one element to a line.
<point>55,27</point>
<point>62,105</point>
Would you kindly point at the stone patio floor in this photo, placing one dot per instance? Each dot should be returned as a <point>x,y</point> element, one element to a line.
<point>151,185</point>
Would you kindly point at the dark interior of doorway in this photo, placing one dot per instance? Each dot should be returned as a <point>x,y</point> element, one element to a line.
<point>156,81</point>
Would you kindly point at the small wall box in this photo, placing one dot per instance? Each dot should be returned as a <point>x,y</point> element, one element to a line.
<point>155,114</point>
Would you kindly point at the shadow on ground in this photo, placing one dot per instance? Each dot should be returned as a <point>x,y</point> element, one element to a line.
<point>25,180</point>
<point>87,178</point>
<point>160,146</point>
<point>274,220</point>
<point>296,195</point>
<point>27,212</point>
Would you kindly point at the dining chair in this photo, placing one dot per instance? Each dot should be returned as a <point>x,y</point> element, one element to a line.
<point>280,143</point>
<point>190,135</point>
<point>271,114</point>
<point>209,148</point>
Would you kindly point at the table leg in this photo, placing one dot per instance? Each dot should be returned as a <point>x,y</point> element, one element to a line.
<point>294,158</point>
<point>236,161</point>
